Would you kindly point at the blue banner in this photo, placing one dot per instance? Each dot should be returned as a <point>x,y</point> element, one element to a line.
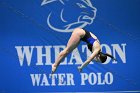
<point>34,32</point>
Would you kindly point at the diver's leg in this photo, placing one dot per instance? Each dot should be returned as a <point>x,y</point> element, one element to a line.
<point>71,45</point>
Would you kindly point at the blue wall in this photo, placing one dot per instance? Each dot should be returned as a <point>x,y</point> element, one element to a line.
<point>29,45</point>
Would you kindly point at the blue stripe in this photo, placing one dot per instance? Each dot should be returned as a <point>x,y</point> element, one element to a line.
<point>90,40</point>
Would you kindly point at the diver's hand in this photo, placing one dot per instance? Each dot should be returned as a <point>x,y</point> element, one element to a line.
<point>53,68</point>
<point>79,68</point>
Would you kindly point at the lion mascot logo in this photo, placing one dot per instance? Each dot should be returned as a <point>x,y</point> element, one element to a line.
<point>65,15</point>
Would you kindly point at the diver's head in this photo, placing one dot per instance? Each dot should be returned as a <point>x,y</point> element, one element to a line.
<point>103,57</point>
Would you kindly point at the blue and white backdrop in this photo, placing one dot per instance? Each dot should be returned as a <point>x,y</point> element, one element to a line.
<point>33,32</point>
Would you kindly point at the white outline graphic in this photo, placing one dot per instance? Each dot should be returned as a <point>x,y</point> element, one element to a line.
<point>81,20</point>
<point>62,16</point>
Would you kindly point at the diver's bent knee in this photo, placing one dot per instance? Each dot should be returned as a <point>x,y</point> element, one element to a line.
<point>79,32</point>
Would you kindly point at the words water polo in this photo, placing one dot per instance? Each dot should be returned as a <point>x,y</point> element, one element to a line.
<point>68,79</point>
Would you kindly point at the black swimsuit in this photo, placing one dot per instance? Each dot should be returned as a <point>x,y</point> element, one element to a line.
<point>88,39</point>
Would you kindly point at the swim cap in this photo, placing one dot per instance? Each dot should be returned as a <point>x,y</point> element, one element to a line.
<point>103,57</point>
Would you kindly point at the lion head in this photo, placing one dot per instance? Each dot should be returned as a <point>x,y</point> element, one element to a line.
<point>65,15</point>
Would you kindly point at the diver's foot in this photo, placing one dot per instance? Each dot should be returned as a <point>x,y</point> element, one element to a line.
<point>53,68</point>
<point>79,69</point>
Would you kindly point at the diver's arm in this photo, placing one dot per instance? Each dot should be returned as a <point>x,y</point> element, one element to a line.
<point>93,55</point>
<point>96,59</point>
